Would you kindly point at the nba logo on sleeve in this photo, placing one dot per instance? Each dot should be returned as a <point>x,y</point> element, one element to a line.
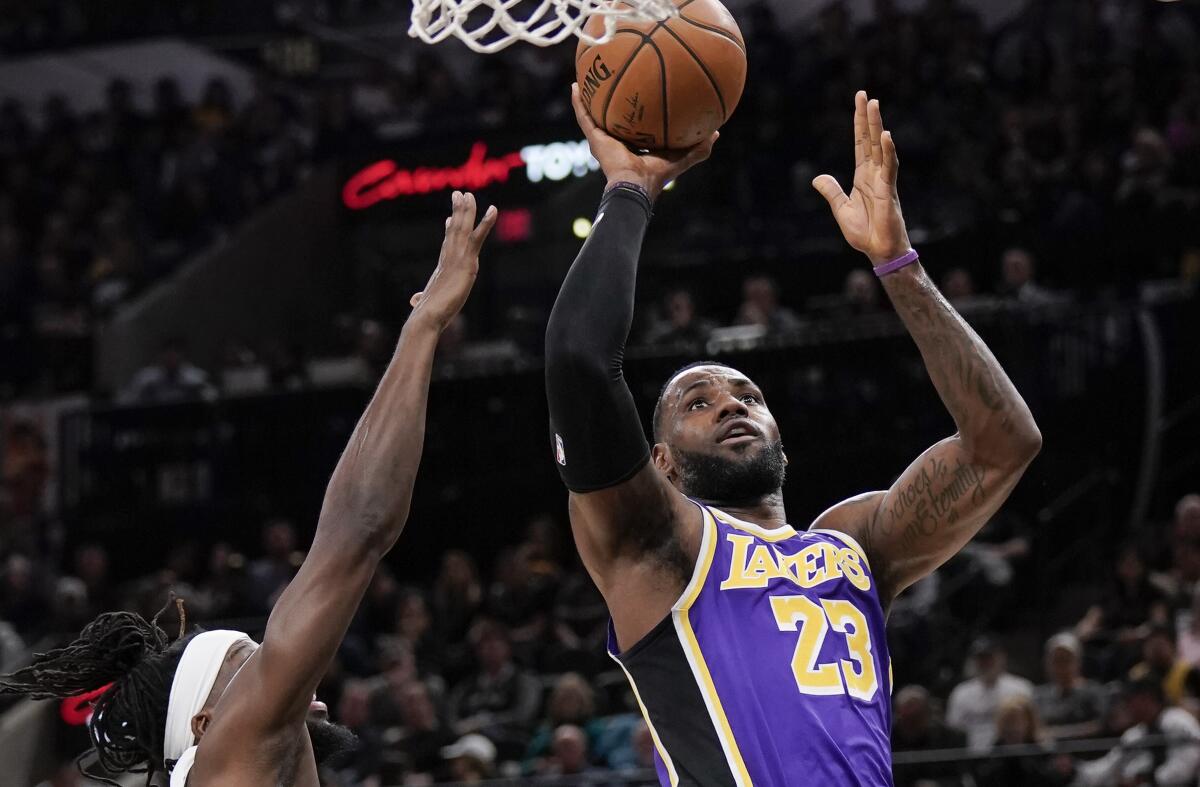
<point>559,452</point>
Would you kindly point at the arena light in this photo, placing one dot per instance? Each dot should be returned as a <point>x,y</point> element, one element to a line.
<point>581,227</point>
<point>514,225</point>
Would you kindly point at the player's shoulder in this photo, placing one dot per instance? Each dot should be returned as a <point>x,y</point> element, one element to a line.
<point>849,513</point>
<point>852,519</point>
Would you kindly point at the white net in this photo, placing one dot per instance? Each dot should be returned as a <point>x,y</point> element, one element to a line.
<point>491,25</point>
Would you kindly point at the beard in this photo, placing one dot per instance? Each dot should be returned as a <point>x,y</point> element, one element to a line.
<point>723,480</point>
<point>331,742</point>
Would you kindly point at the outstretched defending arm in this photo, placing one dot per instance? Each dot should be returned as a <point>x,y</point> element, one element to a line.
<point>366,502</point>
<point>621,507</point>
<point>943,499</point>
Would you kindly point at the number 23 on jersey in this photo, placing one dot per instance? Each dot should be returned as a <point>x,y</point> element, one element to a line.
<point>855,676</point>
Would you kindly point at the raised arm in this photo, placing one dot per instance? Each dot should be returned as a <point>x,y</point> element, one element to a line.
<point>621,507</point>
<point>367,500</point>
<point>943,499</point>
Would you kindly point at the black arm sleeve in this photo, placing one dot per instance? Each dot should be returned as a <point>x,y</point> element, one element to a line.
<point>596,434</point>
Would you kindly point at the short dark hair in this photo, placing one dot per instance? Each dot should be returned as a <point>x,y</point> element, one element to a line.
<point>662,393</point>
<point>137,661</point>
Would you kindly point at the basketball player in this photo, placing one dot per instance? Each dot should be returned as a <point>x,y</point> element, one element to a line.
<point>216,708</point>
<point>757,650</point>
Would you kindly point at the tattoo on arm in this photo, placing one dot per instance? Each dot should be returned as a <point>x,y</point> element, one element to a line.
<point>942,500</point>
<point>930,501</point>
<point>967,376</point>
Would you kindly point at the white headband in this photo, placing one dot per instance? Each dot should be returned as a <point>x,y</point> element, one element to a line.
<point>194,679</point>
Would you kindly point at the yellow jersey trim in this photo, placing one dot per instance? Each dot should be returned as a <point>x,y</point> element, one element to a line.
<point>695,657</point>
<point>662,751</point>
<point>848,540</point>
<point>766,534</point>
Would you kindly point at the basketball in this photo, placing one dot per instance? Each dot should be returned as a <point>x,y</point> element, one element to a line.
<point>667,84</point>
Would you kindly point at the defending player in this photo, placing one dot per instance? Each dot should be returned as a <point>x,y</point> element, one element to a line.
<point>215,708</point>
<point>758,651</point>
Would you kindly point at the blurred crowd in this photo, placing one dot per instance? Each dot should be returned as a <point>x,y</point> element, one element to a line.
<point>95,207</point>
<point>1129,670</point>
<point>1070,132</point>
<point>677,323</point>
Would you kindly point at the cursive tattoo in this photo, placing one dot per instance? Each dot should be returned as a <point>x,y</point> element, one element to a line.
<point>931,499</point>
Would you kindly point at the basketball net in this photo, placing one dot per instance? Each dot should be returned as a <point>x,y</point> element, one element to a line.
<point>544,24</point>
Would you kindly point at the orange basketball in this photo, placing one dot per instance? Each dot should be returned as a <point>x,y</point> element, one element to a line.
<point>664,84</point>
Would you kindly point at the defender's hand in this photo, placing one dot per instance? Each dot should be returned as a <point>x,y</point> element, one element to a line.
<point>651,171</point>
<point>869,216</point>
<point>458,265</point>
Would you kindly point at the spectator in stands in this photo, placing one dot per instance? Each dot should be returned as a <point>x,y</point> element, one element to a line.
<point>472,759</point>
<point>572,702</point>
<point>1183,577</point>
<point>92,568</point>
<point>1115,627</point>
<point>569,757</point>
<point>1188,643</point>
<point>522,596</point>
<point>1176,765</point>
<point>421,735</point>
<point>12,648</point>
<point>24,600</point>
<point>990,567</point>
<point>1018,269</point>
<point>1017,724</point>
<point>25,526</point>
<point>680,324</point>
<point>414,626</point>
<point>397,673</point>
<point>172,378</point>
<point>643,748</point>
<point>353,711</point>
<point>973,703</point>
<point>241,371</point>
<point>917,728</point>
<point>456,601</point>
<point>958,285</point>
<point>500,700</point>
<point>215,111</point>
<point>760,306</point>
<point>1180,680</point>
<point>270,574</point>
<point>225,587</point>
<point>1069,704</point>
<point>860,294</point>
<point>580,626</point>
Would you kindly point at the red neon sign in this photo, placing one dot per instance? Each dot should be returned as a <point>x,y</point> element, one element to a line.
<point>383,180</point>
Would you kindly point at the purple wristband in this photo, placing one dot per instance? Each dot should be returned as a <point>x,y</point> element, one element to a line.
<point>908,258</point>
<point>625,184</point>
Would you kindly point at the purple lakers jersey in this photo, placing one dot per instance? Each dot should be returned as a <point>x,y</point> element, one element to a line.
<point>772,668</point>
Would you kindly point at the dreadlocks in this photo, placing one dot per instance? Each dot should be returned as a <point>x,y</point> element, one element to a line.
<point>139,660</point>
